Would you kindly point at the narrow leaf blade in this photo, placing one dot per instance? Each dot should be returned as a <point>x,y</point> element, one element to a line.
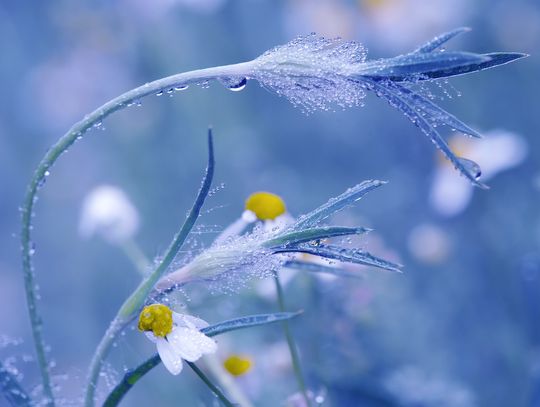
<point>336,204</point>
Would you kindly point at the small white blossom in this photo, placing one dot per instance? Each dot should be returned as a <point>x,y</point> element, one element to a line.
<point>108,212</point>
<point>177,336</point>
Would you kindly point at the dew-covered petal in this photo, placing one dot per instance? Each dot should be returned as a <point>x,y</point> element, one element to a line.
<point>168,354</point>
<point>189,321</point>
<point>191,344</point>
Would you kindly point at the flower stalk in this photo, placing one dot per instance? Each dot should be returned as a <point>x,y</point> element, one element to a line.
<point>295,359</point>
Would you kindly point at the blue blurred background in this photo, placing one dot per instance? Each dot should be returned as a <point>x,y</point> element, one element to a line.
<point>461,325</point>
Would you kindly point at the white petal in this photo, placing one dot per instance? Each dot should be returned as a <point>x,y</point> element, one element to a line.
<point>191,344</point>
<point>249,216</point>
<point>235,229</point>
<point>170,358</point>
<point>189,321</point>
<point>150,335</point>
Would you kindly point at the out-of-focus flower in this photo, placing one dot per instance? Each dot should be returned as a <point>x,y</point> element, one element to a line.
<point>177,336</point>
<point>238,365</point>
<point>108,212</point>
<point>499,151</point>
<point>429,244</point>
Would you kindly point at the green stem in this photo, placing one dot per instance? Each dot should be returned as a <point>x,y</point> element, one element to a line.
<point>295,359</point>
<point>210,385</point>
<point>61,146</point>
<point>135,301</point>
<point>129,381</point>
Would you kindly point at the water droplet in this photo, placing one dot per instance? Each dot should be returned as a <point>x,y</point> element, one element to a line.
<point>471,167</point>
<point>159,93</point>
<point>181,87</point>
<point>239,85</point>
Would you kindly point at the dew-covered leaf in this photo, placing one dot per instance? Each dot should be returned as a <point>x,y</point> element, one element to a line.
<point>441,40</point>
<point>433,112</point>
<point>247,322</point>
<point>346,255</point>
<point>320,268</point>
<point>402,102</point>
<point>421,65</point>
<point>336,204</point>
<point>308,235</point>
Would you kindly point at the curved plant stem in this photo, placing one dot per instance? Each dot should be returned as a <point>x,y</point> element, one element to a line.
<point>295,359</point>
<point>135,301</point>
<point>210,385</point>
<point>61,146</point>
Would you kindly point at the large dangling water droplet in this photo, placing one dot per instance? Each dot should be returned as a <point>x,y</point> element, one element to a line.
<point>234,84</point>
<point>181,87</point>
<point>471,167</point>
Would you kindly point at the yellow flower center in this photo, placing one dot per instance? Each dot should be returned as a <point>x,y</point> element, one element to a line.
<point>237,365</point>
<point>265,205</point>
<point>156,318</point>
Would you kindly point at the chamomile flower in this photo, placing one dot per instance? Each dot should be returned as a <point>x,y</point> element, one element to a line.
<point>177,336</point>
<point>263,251</point>
<point>264,207</point>
<point>108,212</point>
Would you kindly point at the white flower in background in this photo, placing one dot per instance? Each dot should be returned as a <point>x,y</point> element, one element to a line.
<point>429,244</point>
<point>108,212</point>
<point>177,336</point>
<point>498,151</point>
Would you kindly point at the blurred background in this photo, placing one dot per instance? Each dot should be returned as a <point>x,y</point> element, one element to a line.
<point>460,326</point>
